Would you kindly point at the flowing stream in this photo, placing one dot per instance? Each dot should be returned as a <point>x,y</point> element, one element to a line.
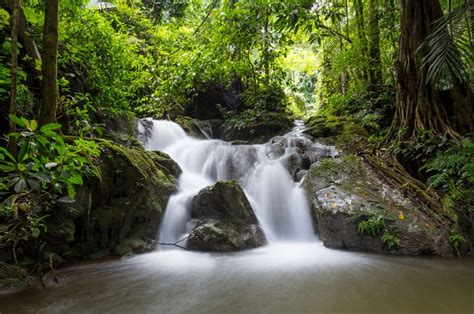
<point>278,202</point>
<point>295,273</point>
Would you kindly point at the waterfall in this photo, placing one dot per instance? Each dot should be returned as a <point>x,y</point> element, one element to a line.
<point>278,201</point>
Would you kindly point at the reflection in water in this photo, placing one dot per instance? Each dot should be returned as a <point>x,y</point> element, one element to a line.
<point>283,278</point>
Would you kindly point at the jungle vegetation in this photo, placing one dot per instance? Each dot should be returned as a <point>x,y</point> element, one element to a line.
<point>402,69</point>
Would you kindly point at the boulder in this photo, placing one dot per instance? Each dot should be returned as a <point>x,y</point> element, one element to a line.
<point>355,210</point>
<point>224,220</point>
<point>213,235</point>
<point>223,200</point>
<point>189,125</point>
<point>117,211</point>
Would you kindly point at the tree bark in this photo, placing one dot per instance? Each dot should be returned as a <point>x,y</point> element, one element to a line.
<point>14,71</point>
<point>359,13</point>
<point>49,65</point>
<point>375,63</point>
<point>420,106</point>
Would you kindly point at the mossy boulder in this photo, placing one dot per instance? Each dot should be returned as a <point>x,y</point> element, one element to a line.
<point>119,210</point>
<point>345,192</point>
<point>345,133</point>
<point>164,162</point>
<point>189,125</point>
<point>224,220</point>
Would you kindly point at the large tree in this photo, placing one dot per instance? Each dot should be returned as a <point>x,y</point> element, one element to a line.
<point>421,106</point>
<point>49,67</point>
<point>375,64</point>
<point>14,69</point>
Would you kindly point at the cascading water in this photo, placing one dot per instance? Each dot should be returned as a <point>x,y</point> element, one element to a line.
<point>261,170</point>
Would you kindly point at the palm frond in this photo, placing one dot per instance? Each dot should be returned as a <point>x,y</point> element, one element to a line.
<point>448,50</point>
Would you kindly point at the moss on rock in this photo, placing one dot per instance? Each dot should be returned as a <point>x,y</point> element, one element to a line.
<point>345,191</point>
<point>119,206</point>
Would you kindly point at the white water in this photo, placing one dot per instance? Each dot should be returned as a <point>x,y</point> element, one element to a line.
<point>279,203</point>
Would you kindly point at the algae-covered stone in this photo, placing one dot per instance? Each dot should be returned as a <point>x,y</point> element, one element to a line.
<point>164,162</point>
<point>124,201</point>
<point>345,191</point>
<point>189,125</point>
<point>344,133</point>
<point>224,220</point>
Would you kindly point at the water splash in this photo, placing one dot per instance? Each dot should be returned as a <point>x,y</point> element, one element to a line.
<point>279,202</point>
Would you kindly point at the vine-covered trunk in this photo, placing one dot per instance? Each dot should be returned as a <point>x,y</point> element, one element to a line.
<point>49,66</point>
<point>420,106</point>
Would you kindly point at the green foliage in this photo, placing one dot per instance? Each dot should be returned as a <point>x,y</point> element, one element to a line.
<point>456,239</point>
<point>448,48</point>
<point>373,225</point>
<point>42,174</point>
<point>390,239</point>
<point>452,172</point>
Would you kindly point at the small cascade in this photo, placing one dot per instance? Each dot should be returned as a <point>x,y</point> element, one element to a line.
<point>270,175</point>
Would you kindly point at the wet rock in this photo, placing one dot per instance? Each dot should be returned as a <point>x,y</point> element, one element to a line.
<point>12,278</point>
<point>345,192</point>
<point>223,200</point>
<point>189,125</point>
<point>165,163</point>
<point>213,235</point>
<point>119,210</point>
<point>224,220</point>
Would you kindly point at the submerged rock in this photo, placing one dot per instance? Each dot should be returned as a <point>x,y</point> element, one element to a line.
<point>355,210</point>
<point>224,220</point>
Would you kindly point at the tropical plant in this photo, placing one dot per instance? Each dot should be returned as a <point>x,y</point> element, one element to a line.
<point>373,225</point>
<point>448,48</point>
<point>390,239</point>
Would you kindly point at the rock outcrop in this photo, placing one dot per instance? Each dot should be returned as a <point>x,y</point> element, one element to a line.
<point>118,210</point>
<point>355,210</point>
<point>224,220</point>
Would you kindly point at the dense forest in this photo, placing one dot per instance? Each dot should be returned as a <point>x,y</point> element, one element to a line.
<point>388,82</point>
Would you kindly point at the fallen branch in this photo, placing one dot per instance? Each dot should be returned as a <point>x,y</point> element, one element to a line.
<point>176,244</point>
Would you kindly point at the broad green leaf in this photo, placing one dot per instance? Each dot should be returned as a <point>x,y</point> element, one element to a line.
<point>16,120</point>
<point>50,126</point>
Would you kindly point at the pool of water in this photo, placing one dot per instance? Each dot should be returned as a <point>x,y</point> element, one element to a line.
<point>282,278</point>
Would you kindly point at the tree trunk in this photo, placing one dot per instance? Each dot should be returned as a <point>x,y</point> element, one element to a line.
<point>359,12</point>
<point>49,66</point>
<point>14,71</point>
<point>375,64</point>
<point>420,106</point>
